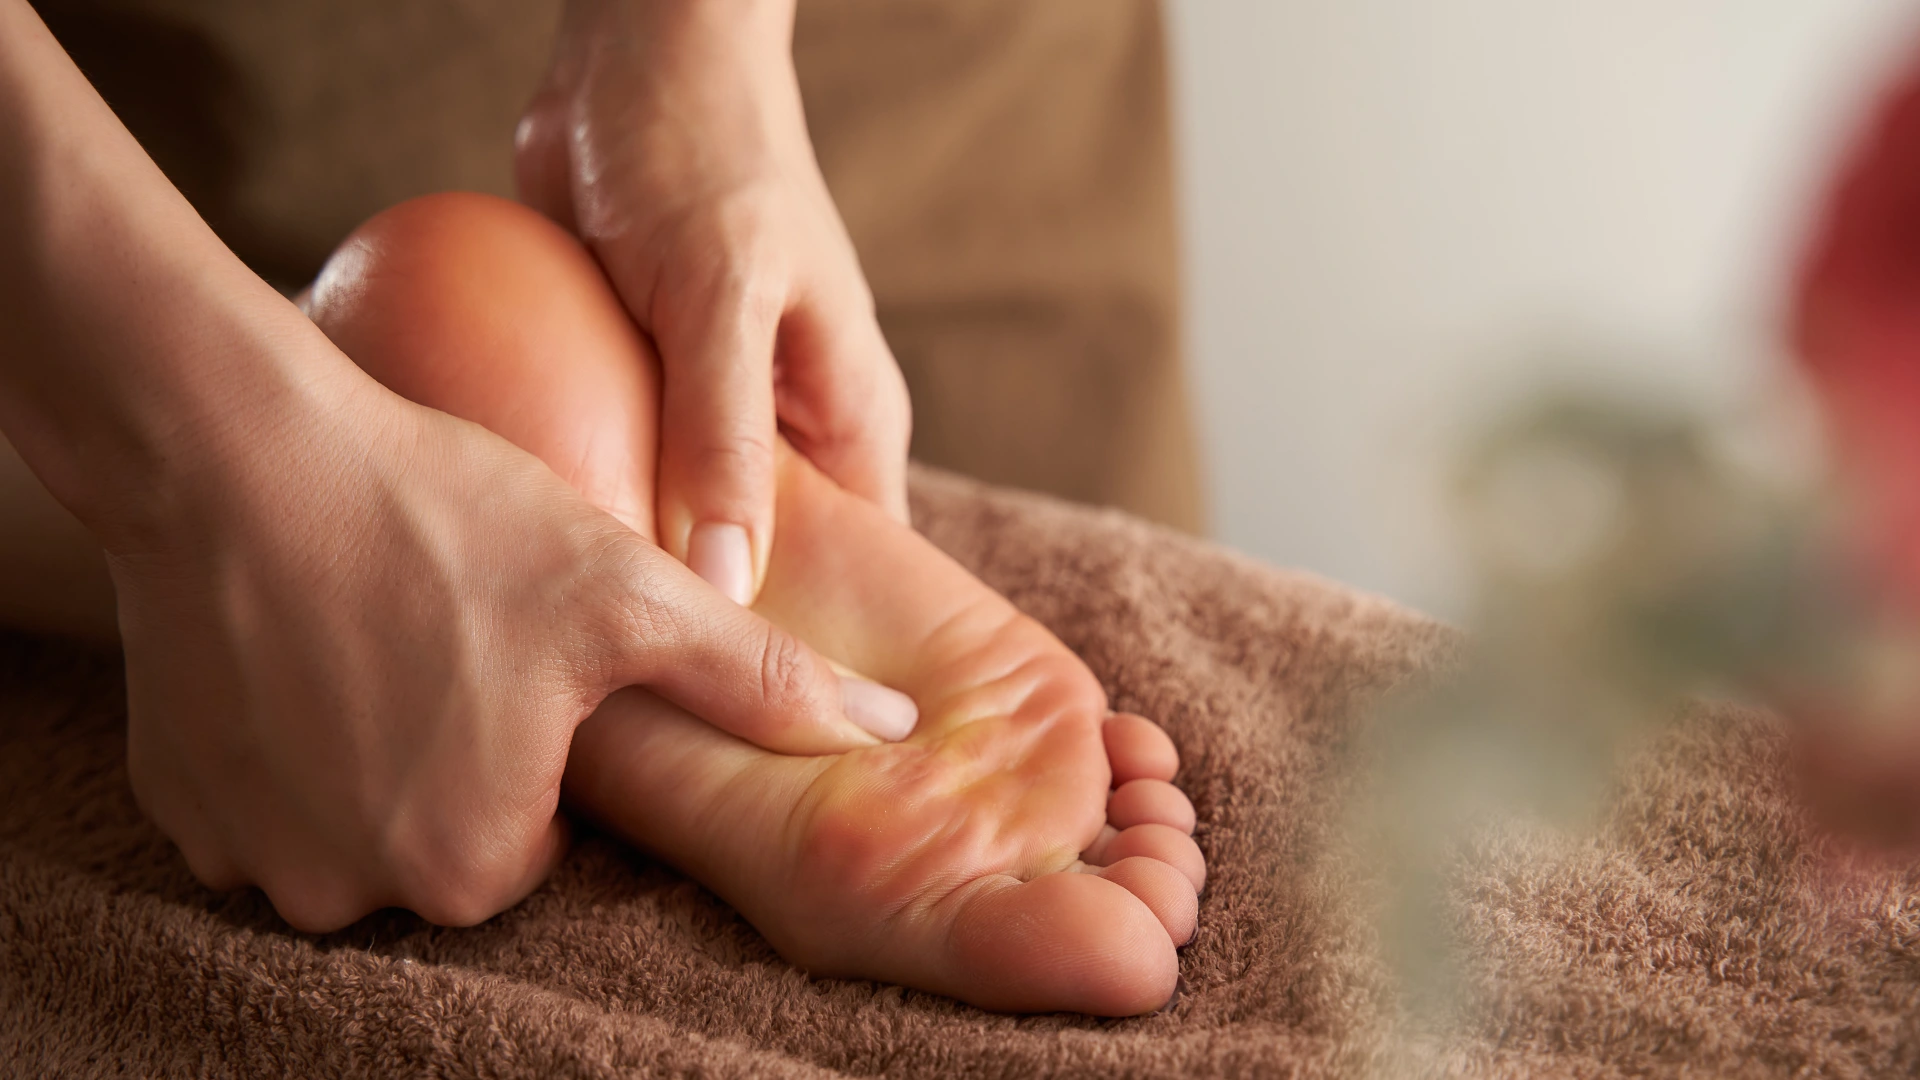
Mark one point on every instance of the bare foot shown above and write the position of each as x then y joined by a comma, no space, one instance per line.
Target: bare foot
1021,850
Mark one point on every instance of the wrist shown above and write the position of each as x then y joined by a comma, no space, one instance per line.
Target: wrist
762,28
692,58
144,356
669,104
135,349
142,465
259,419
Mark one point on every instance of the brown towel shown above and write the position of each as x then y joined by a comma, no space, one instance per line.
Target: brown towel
1702,933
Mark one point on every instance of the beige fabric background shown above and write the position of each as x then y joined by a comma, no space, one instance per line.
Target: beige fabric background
1004,167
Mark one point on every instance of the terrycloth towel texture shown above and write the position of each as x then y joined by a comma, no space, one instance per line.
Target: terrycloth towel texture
1702,933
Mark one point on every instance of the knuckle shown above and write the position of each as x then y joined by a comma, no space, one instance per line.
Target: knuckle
745,455
755,285
646,622
443,889
789,677
454,906
315,903
745,215
463,894
627,611
467,878
863,404
750,270
209,863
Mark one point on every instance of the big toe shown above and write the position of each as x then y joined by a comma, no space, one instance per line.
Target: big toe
1061,942
1164,889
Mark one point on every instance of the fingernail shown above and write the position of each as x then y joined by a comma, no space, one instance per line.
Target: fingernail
718,551
881,711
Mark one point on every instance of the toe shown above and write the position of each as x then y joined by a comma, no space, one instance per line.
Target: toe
1170,846
1062,942
1096,852
1165,891
1149,802
1138,750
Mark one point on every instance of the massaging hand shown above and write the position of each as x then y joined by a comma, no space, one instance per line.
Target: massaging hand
359,633
669,135
354,671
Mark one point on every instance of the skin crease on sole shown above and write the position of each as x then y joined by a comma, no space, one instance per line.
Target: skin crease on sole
1022,850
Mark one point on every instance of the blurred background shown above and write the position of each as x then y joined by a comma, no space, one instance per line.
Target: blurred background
1397,216
1245,267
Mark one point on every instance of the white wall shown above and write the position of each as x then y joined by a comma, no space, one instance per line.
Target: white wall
1392,207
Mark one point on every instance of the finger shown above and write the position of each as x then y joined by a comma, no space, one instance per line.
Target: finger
1170,846
542,165
316,897
1137,749
716,334
657,625
1165,891
1144,802
842,400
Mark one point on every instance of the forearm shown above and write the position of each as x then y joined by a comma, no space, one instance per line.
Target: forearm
134,347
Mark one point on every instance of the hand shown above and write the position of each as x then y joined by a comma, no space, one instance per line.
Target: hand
355,666
669,135
359,633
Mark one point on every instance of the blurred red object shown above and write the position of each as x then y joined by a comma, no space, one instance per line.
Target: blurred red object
1856,330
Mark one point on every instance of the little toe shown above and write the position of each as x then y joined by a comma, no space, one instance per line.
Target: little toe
1138,750
1149,802
1169,845
1062,942
1165,891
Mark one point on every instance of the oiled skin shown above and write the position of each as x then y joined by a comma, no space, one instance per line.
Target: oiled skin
961,860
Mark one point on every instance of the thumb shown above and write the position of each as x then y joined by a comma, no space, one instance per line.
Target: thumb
660,626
